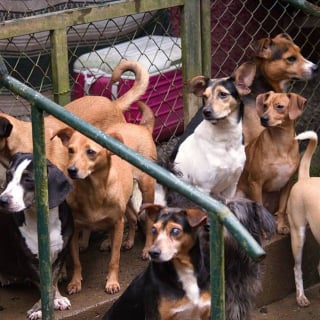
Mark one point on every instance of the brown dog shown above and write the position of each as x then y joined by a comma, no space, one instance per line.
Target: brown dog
278,61
16,135
273,157
303,208
103,186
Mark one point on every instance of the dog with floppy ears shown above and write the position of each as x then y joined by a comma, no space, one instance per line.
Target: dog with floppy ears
102,189
19,256
213,156
303,209
16,135
273,157
175,284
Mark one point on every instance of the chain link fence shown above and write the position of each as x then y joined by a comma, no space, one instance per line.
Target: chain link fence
153,38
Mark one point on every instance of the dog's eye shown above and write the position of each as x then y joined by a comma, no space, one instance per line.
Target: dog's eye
265,107
91,152
279,107
292,59
175,231
71,151
154,230
223,95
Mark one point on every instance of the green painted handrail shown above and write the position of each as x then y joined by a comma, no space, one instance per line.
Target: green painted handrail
217,211
306,7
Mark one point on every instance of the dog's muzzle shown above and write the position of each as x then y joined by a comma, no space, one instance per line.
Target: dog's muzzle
155,253
73,172
264,119
209,116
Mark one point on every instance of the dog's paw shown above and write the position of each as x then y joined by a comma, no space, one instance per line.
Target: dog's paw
283,229
61,303
127,244
303,301
145,253
74,287
112,287
105,245
34,315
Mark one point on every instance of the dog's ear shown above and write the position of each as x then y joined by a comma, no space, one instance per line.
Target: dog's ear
64,135
260,102
296,105
244,77
262,48
116,135
197,85
153,210
5,127
283,36
196,217
58,185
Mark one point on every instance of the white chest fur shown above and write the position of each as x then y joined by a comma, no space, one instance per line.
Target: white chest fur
29,232
212,158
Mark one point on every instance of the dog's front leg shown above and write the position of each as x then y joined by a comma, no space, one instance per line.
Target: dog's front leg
282,226
74,285
112,285
255,191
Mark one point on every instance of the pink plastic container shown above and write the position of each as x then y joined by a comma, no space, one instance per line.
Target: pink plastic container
164,93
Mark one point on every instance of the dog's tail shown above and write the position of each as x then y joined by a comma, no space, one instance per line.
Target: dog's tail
147,118
139,87
304,167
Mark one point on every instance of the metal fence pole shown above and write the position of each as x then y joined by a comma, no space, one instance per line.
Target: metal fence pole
41,196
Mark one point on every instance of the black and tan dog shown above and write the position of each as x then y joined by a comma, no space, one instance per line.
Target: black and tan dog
19,256
175,285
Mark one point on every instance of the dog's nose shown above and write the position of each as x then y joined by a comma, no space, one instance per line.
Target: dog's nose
73,171
264,120
207,112
315,68
154,253
4,201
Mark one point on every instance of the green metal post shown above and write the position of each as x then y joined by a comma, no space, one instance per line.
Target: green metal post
41,195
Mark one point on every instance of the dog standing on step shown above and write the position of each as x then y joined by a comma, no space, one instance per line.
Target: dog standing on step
19,256
16,135
102,189
303,209
213,156
273,157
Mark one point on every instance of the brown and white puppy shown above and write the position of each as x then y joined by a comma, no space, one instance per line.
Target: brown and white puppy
176,283
16,135
278,61
103,185
303,209
273,157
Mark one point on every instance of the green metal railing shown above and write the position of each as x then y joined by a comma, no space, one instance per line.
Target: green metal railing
219,214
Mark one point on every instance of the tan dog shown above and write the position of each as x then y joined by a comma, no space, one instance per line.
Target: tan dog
303,208
273,157
103,185
278,61
16,135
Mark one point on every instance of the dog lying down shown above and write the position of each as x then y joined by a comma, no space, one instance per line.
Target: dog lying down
19,256
175,285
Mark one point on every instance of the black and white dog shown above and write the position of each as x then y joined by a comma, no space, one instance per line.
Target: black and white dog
19,256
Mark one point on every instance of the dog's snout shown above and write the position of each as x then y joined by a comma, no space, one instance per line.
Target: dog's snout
264,119
207,112
154,253
73,171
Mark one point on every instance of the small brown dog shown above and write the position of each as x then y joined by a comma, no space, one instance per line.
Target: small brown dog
303,208
102,189
273,157
278,61
16,135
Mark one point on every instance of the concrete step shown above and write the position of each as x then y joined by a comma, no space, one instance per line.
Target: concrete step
92,301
